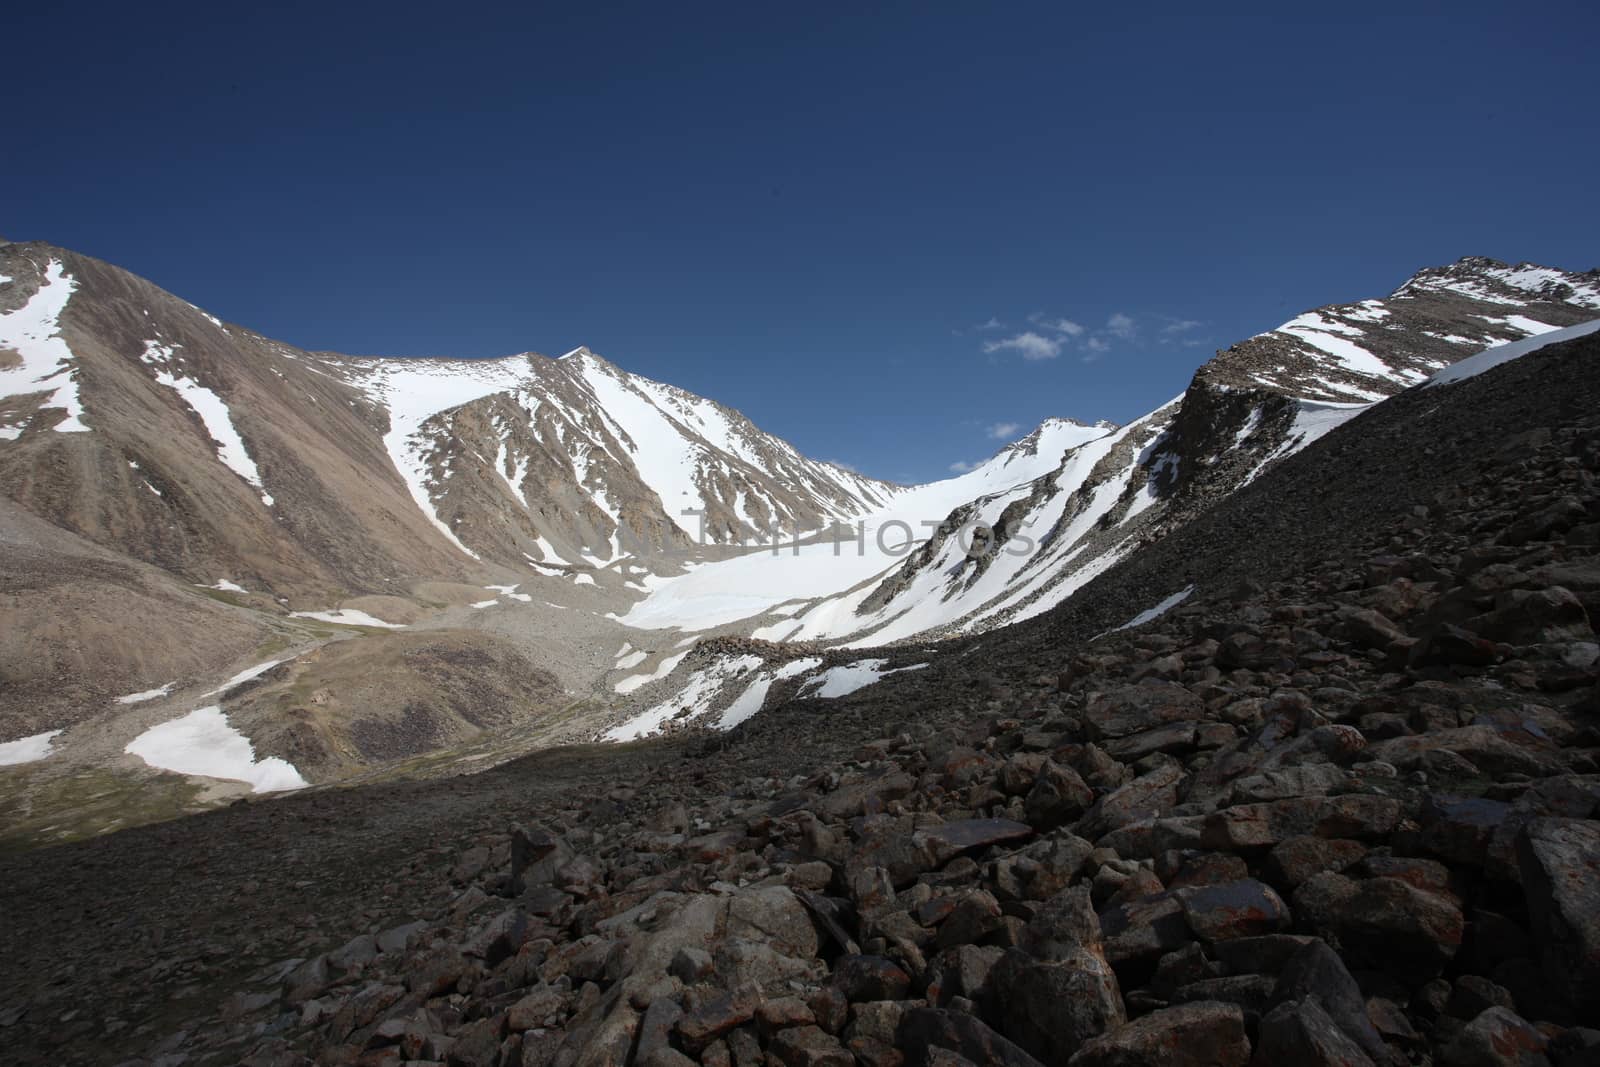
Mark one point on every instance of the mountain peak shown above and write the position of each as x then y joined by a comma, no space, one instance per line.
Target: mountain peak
1490,280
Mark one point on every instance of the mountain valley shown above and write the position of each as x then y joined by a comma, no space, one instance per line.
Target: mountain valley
528,711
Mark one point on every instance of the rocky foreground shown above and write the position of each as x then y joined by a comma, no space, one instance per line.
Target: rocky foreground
1340,815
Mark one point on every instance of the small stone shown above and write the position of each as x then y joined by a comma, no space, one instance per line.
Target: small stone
655,1028
1474,994
870,978
943,843
1060,991
1385,923
809,1046
1297,859
784,1012
690,965
1301,1033
1559,860
1201,1034
1316,971
1058,797
927,1032
1498,1037
722,1013
1246,908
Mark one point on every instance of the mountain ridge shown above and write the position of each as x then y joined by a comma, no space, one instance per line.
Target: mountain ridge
561,507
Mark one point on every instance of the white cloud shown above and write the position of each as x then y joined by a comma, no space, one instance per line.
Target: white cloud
1056,325
1004,431
992,324
1182,326
1120,325
961,468
1032,346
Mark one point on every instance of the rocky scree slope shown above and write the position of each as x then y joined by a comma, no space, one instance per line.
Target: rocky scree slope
1343,812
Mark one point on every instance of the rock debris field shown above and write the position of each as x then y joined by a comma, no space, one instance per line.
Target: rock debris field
1338,806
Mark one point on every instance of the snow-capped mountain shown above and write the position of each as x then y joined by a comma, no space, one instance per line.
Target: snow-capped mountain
523,512
140,422
529,459
1058,508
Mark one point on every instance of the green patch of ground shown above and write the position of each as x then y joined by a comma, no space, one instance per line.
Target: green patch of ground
273,645
39,807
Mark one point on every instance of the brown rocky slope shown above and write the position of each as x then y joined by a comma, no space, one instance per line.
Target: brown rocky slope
1339,806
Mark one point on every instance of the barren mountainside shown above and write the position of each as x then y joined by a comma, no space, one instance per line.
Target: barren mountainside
216,542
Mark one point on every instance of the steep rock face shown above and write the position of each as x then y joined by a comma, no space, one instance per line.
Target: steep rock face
1370,349
1272,394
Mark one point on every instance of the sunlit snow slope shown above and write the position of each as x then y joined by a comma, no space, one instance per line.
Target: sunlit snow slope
1077,499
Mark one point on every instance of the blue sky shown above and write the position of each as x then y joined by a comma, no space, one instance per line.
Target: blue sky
855,226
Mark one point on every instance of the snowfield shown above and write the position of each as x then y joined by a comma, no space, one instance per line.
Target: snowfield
697,695
416,390
352,617
1490,358
842,681
148,694
245,675
751,700
33,331
27,749
203,743
214,415
666,667
1151,614
844,568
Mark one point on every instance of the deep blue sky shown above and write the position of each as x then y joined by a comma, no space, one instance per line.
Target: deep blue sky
803,211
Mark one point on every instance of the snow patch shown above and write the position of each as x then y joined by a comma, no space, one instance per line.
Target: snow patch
148,694
695,697
1325,334
245,676
347,617
746,704
842,681
33,331
1159,610
664,668
26,749
755,695
214,415
203,743
1490,358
